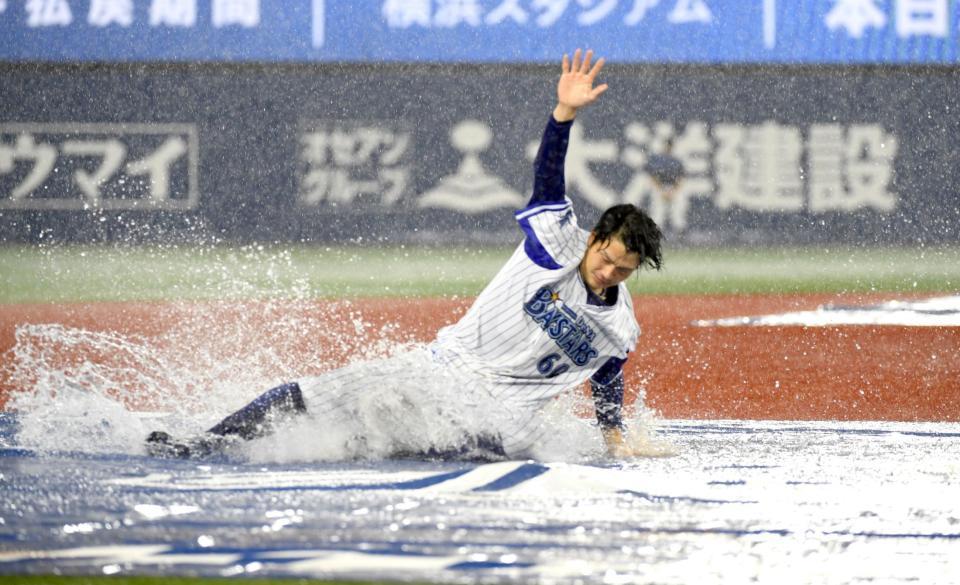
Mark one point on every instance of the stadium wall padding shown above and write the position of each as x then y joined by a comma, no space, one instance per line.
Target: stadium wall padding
442,153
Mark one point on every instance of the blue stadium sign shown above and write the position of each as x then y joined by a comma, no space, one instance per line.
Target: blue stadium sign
630,31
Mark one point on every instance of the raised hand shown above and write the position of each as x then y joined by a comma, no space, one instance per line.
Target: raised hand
575,88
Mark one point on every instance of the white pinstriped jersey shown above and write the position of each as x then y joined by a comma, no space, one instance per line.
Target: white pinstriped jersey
531,334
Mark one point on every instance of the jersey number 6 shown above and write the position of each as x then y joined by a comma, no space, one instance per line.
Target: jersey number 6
546,366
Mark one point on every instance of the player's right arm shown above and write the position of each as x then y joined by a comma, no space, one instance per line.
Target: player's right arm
552,236
574,90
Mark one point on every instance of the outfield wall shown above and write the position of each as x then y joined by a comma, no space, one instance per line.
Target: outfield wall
438,153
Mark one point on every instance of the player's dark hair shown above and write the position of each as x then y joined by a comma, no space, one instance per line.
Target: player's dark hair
638,232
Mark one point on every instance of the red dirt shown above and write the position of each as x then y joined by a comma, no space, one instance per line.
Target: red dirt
784,373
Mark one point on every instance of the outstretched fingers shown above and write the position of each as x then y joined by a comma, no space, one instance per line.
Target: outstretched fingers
575,88
596,69
597,91
581,63
576,61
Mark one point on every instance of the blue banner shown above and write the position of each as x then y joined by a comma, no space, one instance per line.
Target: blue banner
508,31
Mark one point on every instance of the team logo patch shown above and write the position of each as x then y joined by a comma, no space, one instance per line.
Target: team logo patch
570,331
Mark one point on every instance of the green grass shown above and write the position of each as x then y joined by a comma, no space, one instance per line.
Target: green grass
91,273
805,270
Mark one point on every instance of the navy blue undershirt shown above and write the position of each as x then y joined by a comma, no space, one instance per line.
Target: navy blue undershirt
549,186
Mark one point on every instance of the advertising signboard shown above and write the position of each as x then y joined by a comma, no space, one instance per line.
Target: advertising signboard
403,153
507,31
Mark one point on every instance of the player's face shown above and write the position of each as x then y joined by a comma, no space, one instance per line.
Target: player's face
607,264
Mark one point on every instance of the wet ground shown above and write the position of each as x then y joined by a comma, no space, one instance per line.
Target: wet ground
786,356
798,502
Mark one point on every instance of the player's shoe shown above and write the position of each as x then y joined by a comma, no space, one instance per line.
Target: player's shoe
162,445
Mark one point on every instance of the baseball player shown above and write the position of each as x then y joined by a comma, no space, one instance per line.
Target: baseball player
556,314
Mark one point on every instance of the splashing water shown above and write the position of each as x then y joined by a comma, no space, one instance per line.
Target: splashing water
101,391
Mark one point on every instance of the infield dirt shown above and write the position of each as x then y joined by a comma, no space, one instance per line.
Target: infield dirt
783,373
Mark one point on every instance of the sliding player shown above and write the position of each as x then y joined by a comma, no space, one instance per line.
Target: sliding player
555,315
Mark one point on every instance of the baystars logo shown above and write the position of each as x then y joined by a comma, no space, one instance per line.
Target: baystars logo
570,332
